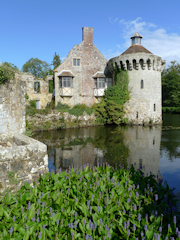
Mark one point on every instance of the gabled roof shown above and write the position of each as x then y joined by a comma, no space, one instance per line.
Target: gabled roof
136,49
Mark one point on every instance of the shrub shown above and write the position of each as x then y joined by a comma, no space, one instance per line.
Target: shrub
79,109
62,107
103,203
111,106
32,103
175,110
7,72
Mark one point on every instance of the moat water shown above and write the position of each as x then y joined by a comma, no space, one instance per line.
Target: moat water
155,149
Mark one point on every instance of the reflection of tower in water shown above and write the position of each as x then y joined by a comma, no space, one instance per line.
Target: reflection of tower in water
144,148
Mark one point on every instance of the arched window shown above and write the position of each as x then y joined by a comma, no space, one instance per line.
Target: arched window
141,62
154,107
142,84
127,64
134,64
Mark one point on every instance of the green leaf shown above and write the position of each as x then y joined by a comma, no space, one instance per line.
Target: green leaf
26,236
6,214
149,233
1,210
31,212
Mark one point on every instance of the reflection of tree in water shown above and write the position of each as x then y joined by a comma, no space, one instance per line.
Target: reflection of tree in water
110,140
170,141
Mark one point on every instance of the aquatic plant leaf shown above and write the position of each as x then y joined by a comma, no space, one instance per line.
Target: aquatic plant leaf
31,212
1,210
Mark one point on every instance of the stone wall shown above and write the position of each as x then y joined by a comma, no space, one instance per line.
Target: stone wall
21,159
12,105
43,97
59,120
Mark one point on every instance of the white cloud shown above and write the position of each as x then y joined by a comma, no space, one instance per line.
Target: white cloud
156,39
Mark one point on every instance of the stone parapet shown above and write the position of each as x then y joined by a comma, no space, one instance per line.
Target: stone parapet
21,159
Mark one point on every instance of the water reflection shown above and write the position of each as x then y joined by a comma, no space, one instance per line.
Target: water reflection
116,145
155,149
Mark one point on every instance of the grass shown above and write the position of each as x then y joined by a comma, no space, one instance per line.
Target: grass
98,203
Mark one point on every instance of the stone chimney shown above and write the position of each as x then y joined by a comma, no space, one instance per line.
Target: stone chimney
87,34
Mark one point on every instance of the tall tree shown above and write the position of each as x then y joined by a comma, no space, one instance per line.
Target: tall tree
171,85
56,60
37,67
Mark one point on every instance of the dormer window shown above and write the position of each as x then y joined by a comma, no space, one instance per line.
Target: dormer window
66,83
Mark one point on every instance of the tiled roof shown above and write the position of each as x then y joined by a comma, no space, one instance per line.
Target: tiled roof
65,74
136,49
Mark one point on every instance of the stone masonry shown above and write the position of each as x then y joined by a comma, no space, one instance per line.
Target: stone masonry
12,105
42,97
21,159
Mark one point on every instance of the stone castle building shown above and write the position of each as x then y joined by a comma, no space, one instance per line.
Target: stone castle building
83,75
144,71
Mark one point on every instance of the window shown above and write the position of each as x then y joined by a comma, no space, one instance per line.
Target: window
36,87
65,82
95,83
76,62
50,86
101,82
154,107
109,82
142,84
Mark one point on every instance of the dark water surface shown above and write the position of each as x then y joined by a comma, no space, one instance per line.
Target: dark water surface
154,149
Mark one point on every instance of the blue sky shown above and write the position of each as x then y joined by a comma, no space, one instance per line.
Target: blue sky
39,28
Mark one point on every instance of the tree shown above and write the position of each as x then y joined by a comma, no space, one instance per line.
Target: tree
37,67
171,85
56,60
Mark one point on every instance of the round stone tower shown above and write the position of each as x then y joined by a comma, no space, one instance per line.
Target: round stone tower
144,71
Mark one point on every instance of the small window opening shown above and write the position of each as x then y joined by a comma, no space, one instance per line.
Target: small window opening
142,84
154,107
153,140
137,115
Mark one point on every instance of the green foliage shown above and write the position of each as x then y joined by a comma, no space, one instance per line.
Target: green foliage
7,71
175,110
62,107
47,125
32,103
37,67
171,85
56,60
79,109
111,107
103,203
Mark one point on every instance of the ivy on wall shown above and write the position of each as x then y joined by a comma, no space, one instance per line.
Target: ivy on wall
110,109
